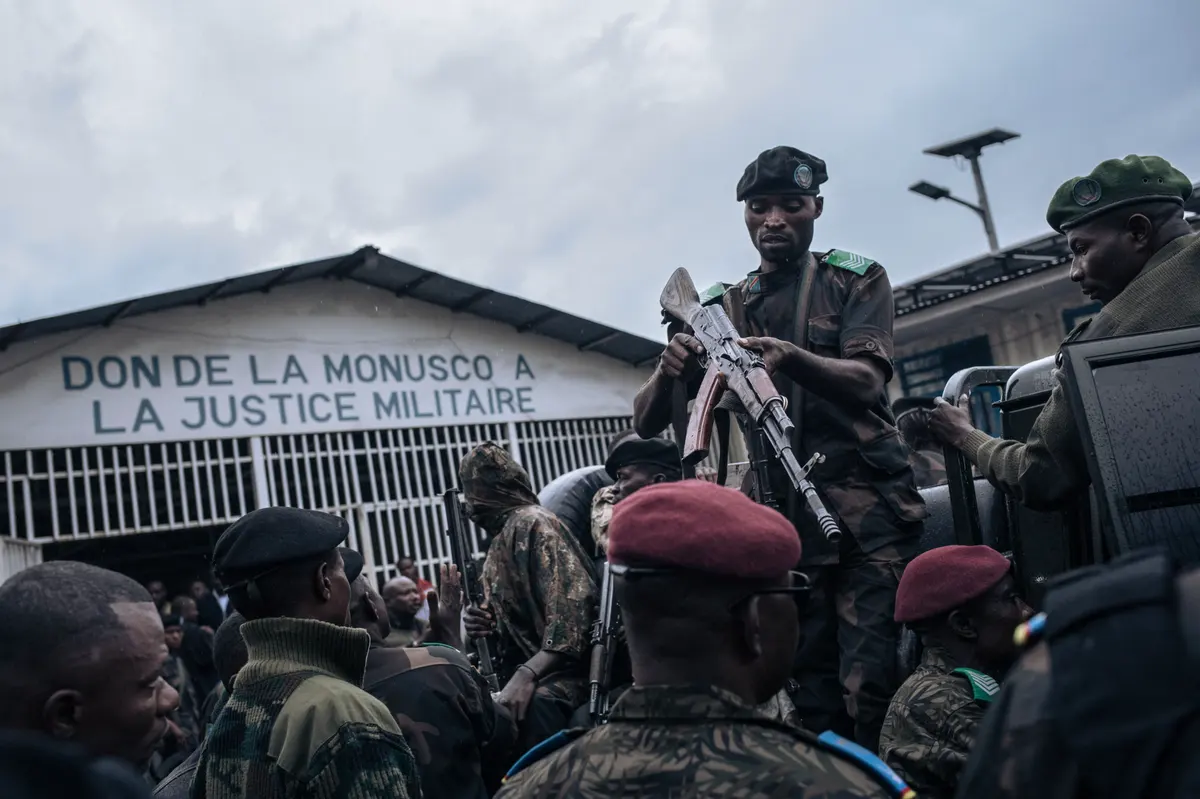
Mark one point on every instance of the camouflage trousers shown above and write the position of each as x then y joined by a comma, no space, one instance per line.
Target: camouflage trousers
846,668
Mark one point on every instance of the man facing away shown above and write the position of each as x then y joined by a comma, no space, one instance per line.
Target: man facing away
962,601
82,660
710,613
1133,252
460,737
297,723
823,324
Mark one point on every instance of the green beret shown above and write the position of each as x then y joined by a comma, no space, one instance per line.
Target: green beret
782,170
269,537
657,452
1117,182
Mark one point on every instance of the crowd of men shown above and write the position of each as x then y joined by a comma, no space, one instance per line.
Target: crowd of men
756,659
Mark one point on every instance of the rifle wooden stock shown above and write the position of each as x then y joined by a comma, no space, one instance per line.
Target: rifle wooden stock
679,297
699,430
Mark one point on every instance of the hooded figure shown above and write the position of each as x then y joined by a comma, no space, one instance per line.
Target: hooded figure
540,588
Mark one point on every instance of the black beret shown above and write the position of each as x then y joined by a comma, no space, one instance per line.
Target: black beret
352,563
649,451
783,170
269,537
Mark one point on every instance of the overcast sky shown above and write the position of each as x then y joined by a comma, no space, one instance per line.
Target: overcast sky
572,153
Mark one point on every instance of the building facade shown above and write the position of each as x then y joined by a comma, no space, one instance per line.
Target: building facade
136,433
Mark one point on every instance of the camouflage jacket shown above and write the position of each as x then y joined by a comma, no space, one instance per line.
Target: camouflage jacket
931,723
1050,467
460,737
298,724
602,510
693,741
537,578
866,478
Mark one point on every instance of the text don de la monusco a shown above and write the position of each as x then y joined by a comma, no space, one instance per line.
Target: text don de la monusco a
223,393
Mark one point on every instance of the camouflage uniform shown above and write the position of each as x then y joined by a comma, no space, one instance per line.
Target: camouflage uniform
930,726
537,579
460,737
297,724
929,467
847,661
602,509
692,741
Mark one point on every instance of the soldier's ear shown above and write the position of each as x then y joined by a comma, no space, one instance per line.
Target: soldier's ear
819,205
962,625
61,714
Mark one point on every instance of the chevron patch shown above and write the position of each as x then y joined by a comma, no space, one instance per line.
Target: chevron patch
852,262
985,687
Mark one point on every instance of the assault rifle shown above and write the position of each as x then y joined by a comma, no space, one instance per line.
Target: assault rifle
605,631
457,531
731,367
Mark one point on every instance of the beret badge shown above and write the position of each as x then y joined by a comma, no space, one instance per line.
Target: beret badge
1086,192
803,176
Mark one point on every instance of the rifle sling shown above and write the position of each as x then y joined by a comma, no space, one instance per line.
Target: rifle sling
804,292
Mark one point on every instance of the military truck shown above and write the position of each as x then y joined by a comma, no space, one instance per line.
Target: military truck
1136,403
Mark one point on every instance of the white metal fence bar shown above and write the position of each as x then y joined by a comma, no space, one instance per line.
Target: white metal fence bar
93,492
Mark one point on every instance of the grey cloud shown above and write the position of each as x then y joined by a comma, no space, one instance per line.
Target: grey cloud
571,153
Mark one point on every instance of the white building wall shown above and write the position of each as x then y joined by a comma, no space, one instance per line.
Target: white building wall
110,431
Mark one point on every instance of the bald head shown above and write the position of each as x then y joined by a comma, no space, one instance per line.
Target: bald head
402,597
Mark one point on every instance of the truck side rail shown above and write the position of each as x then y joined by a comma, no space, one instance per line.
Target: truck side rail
967,527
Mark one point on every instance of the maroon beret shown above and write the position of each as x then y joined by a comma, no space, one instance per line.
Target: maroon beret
945,578
700,526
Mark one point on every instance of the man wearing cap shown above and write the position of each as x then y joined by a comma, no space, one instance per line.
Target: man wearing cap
632,464
962,602
709,602
823,324
540,590
297,722
1134,253
927,457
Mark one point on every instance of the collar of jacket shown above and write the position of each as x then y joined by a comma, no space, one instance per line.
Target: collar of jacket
283,646
935,657
681,703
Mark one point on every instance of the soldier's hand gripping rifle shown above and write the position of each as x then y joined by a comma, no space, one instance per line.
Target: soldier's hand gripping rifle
457,531
731,367
604,646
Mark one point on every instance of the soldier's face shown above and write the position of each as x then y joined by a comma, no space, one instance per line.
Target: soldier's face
781,226
174,637
1107,254
996,618
633,478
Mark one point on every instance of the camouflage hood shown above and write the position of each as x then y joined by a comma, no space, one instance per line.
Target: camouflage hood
493,486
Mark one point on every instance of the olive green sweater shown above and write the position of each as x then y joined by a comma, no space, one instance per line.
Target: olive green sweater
298,723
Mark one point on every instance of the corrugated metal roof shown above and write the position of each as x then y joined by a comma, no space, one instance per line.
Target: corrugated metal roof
370,267
983,272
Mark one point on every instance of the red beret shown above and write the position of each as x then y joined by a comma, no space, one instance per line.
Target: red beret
945,578
700,526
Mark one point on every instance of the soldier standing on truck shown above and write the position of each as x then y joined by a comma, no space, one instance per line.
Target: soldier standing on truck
1134,252
823,323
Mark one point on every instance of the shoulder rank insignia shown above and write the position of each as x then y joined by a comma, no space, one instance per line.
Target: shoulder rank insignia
985,687
549,746
713,294
849,261
869,762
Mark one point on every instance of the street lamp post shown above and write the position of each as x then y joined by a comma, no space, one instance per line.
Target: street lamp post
969,148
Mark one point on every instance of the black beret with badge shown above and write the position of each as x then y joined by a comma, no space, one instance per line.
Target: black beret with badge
1116,183
783,170
352,563
657,452
268,538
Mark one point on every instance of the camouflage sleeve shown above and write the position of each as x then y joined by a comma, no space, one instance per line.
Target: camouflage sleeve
867,319
602,508
1047,469
928,738
565,588
358,762
494,727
